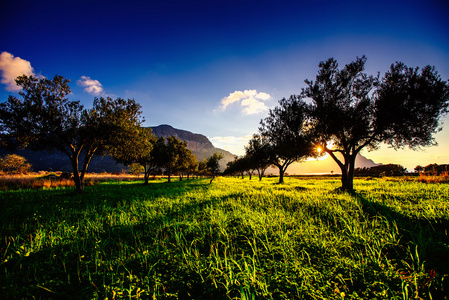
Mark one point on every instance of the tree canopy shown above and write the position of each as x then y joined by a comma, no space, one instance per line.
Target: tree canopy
137,148
45,119
284,134
350,110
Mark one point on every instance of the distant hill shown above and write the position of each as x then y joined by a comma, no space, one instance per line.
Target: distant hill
197,143
56,161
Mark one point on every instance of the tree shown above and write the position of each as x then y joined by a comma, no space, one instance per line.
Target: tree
351,110
239,165
285,136
213,165
136,148
202,167
258,153
186,160
170,154
14,164
45,119
191,164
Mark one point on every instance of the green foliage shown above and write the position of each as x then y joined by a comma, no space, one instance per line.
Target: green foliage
136,169
212,164
284,134
354,110
231,240
14,164
45,119
135,147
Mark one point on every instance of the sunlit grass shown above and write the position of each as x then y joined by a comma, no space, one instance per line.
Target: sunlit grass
234,238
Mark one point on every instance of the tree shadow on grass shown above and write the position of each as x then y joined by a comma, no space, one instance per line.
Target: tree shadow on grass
104,262
430,236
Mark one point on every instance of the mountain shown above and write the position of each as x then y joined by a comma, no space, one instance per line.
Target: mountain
56,161
197,143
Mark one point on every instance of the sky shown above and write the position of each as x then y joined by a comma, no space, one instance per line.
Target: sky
216,67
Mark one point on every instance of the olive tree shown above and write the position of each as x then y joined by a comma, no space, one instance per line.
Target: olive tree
351,110
137,148
285,136
45,119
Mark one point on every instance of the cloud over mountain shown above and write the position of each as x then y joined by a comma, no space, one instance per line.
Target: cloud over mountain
11,68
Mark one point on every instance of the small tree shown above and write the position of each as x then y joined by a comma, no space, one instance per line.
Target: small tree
170,154
354,110
14,164
136,148
285,136
213,165
186,159
258,153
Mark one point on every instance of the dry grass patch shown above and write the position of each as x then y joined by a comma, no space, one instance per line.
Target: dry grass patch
42,180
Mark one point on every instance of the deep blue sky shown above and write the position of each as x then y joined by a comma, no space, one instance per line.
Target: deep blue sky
180,59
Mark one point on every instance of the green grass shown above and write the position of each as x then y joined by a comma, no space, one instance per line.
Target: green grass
232,239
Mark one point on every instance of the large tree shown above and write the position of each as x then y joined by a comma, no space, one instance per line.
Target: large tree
45,119
351,110
285,134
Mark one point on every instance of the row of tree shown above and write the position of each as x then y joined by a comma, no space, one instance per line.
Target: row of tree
343,111
140,146
381,170
346,110
45,119
433,169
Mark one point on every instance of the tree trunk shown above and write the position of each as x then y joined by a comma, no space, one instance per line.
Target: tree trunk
79,184
347,173
87,159
146,174
281,174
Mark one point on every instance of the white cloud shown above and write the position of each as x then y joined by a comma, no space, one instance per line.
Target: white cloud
11,68
251,101
91,86
233,144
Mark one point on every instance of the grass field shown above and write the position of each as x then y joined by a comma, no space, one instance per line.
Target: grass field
232,239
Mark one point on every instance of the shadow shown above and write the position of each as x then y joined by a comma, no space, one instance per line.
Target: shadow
76,269
430,236
36,206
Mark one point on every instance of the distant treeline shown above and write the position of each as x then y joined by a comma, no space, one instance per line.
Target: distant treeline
398,170
381,170
433,169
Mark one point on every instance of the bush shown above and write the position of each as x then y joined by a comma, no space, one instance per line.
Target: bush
14,164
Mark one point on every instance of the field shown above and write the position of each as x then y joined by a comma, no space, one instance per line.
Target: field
232,239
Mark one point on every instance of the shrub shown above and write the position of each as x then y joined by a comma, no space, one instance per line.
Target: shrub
14,164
